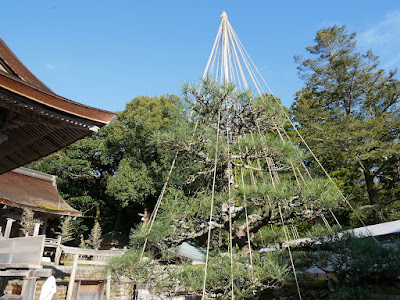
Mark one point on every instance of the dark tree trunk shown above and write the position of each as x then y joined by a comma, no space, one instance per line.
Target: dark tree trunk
370,184
118,220
97,216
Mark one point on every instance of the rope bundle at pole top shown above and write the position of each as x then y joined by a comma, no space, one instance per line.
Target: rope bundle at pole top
229,63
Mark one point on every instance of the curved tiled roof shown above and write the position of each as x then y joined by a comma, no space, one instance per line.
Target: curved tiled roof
34,121
26,188
15,77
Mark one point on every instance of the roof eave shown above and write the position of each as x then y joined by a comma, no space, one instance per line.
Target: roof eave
72,213
24,89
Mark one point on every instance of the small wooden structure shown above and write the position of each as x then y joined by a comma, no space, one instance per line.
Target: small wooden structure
37,191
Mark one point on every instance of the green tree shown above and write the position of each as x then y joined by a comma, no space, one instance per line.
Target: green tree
82,172
27,222
66,230
114,174
348,113
141,167
95,239
228,152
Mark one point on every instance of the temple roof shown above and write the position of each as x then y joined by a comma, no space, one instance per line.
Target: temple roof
34,121
26,188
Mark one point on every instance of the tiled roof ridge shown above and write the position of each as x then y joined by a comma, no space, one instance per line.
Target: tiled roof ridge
35,174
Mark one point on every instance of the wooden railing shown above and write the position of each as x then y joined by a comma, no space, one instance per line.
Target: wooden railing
92,257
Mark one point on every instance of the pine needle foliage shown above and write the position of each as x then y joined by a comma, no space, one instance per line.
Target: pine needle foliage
257,169
269,272
95,239
28,221
67,230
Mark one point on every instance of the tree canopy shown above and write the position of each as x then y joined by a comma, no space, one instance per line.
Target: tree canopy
348,112
116,174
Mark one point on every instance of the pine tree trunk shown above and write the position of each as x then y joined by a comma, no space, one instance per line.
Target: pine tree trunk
118,220
370,184
97,216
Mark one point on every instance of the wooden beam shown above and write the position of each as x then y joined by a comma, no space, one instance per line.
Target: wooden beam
91,262
108,287
26,273
28,289
72,277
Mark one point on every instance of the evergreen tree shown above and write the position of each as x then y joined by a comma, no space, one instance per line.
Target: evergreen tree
231,152
114,175
67,230
27,222
348,113
95,239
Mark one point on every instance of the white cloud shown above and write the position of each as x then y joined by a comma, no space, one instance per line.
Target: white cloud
50,67
384,39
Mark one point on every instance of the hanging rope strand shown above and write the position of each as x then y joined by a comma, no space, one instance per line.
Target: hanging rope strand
154,213
290,252
212,206
229,175
247,219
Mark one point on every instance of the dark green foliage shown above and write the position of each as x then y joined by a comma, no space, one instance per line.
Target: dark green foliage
254,171
269,272
130,265
360,260
118,172
348,113
140,172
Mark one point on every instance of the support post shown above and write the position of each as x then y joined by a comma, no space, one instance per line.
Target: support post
44,227
108,286
7,232
72,277
28,289
58,252
36,229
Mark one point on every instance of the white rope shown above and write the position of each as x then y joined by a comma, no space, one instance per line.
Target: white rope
290,252
154,213
247,219
212,207
229,191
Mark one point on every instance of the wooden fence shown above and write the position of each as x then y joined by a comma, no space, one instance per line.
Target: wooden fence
82,256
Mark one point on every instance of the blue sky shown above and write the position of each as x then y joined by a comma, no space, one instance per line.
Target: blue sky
104,53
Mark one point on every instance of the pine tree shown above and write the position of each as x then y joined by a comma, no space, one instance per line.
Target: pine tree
348,112
95,239
27,222
67,230
232,152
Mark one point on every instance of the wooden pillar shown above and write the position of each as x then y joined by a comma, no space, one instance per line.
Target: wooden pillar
108,286
72,277
28,289
36,229
44,227
7,232
58,252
